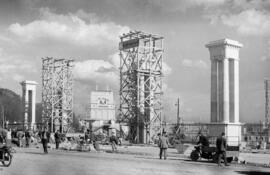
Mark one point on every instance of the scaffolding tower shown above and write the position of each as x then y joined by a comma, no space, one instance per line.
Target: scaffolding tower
141,84
267,102
57,94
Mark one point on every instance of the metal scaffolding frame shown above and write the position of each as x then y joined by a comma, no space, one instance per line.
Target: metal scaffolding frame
267,102
57,93
141,57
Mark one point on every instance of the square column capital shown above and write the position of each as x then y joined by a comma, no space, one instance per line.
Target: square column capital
29,85
224,49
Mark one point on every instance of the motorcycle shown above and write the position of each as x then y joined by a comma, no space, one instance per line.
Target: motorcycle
206,152
6,154
203,152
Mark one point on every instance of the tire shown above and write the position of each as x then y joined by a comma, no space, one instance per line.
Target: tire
194,155
7,159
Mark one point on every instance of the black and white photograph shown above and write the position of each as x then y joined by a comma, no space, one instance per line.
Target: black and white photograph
134,87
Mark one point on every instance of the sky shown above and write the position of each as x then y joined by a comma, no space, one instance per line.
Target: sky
88,32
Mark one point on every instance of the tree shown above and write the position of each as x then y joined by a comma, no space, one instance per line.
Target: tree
12,105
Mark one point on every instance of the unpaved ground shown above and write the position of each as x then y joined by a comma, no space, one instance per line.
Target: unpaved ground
34,162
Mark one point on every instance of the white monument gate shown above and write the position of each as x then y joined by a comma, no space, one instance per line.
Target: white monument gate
29,103
224,56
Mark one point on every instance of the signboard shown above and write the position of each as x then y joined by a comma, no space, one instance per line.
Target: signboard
129,44
102,105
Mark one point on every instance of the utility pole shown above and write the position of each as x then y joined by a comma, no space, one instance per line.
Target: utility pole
178,111
267,102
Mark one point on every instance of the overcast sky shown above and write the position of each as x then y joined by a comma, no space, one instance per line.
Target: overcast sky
88,32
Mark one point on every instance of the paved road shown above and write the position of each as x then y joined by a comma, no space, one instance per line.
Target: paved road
33,162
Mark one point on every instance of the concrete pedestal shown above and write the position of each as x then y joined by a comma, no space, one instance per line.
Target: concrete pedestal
231,130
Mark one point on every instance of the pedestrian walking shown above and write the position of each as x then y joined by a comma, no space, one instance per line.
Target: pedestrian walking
27,137
57,139
221,149
45,138
113,141
9,137
163,144
20,135
87,136
3,135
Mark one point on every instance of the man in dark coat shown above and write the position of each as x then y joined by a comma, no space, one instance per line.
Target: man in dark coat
163,145
27,136
57,139
87,136
221,149
45,138
114,141
202,140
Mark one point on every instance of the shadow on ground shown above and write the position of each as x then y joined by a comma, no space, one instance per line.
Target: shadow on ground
200,161
40,153
253,172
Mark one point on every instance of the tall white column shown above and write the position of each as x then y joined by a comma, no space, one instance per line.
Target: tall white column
33,119
214,91
26,106
236,91
226,95
220,117
29,86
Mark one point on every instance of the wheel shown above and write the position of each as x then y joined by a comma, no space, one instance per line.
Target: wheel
7,159
229,159
194,155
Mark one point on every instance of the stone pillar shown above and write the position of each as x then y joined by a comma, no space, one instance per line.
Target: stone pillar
29,103
225,107
220,106
214,91
236,91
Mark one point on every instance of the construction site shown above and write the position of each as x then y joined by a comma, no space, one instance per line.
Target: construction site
140,114
138,121
141,84
57,94
134,87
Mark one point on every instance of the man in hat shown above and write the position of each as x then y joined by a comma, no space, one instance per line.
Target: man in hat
221,149
163,145
45,138
57,139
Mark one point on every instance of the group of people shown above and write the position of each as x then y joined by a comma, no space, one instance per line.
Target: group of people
163,141
16,136
221,145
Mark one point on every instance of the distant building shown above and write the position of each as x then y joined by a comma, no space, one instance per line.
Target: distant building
254,133
102,109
